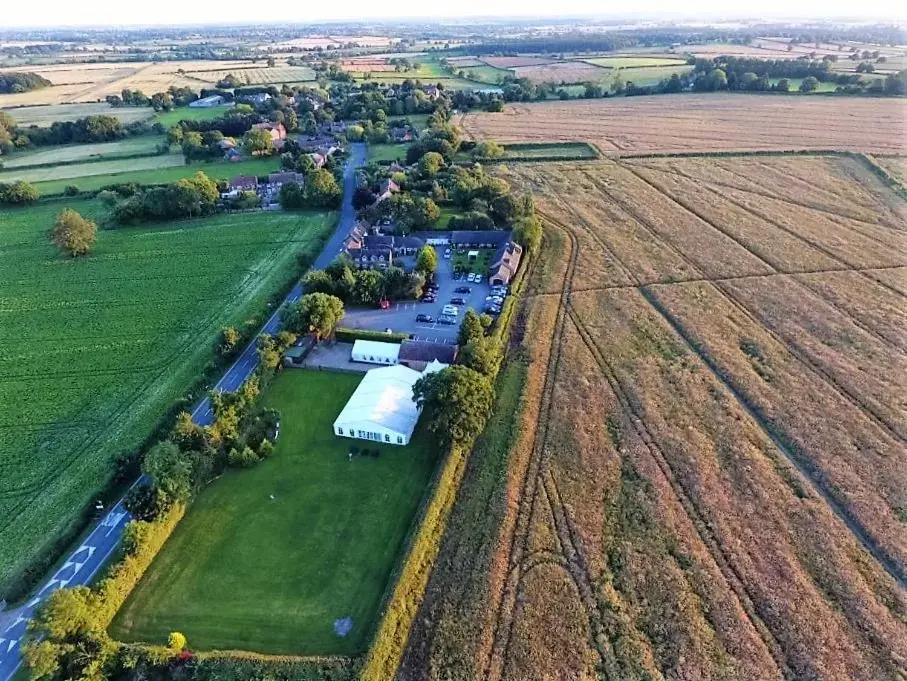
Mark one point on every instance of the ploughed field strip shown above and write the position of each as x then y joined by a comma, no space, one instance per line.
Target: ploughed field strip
716,486
95,349
631,126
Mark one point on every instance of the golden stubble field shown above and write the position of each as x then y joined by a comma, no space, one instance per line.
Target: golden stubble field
626,126
711,476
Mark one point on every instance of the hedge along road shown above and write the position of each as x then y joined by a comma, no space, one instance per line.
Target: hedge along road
88,558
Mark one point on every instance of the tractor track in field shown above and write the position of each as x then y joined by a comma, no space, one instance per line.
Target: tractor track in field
539,480
706,535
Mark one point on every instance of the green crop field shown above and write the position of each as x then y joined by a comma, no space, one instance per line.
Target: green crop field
45,115
387,152
159,175
83,152
429,73
188,113
94,350
643,76
549,151
630,62
243,571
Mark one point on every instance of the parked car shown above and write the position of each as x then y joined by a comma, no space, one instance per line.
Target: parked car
450,310
428,299
458,301
463,289
447,321
425,318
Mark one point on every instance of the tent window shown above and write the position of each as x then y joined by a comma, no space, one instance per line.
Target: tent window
340,431
387,438
399,440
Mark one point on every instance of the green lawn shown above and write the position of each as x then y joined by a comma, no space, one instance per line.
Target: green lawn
83,152
418,121
243,571
158,175
46,115
96,349
482,265
387,152
188,113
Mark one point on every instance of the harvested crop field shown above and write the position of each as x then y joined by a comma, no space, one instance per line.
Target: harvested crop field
702,123
562,72
512,62
44,116
707,477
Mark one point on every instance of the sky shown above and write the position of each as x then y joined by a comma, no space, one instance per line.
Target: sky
170,12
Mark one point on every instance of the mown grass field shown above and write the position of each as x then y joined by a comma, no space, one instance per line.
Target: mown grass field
50,175
124,171
387,152
96,349
709,475
246,572
188,113
82,152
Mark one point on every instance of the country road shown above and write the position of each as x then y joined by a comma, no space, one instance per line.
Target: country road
85,561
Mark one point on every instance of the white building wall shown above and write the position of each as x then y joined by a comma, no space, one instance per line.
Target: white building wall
370,432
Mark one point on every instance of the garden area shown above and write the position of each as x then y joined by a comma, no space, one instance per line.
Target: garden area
461,262
281,557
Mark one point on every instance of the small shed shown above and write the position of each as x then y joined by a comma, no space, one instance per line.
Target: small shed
472,256
375,352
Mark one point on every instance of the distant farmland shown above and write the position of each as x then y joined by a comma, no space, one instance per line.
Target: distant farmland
708,476
702,123
96,349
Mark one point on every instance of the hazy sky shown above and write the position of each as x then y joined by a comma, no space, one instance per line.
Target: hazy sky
130,12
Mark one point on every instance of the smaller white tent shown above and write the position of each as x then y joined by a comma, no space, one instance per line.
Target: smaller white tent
375,352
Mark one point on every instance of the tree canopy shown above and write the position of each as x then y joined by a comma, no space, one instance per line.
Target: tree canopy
315,313
456,402
72,233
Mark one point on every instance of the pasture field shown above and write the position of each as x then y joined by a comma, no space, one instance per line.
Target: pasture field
96,349
244,572
124,171
82,152
512,62
44,116
697,123
634,62
92,168
387,152
707,475
188,113
429,72
484,73
555,151
649,75
562,72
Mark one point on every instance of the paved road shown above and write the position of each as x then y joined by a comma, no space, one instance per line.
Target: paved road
92,553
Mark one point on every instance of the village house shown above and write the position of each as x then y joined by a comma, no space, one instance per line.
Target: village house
244,183
386,189
278,132
418,354
370,251
278,180
401,134
431,91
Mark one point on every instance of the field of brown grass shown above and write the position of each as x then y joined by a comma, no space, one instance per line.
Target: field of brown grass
629,126
708,476
562,72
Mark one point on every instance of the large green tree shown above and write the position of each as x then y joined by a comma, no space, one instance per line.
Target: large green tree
456,402
528,233
315,313
258,142
170,471
322,190
72,233
427,260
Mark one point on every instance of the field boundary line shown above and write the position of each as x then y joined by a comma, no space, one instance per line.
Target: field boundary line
852,524
713,545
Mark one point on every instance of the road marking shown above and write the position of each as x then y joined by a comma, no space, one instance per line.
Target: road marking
12,644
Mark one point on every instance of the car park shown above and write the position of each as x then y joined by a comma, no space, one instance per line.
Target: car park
425,318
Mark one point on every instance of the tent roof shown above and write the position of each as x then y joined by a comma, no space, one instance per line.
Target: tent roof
377,348
385,398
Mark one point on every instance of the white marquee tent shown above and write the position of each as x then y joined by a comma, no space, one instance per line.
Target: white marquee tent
375,352
382,409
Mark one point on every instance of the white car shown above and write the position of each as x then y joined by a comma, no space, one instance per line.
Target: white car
450,310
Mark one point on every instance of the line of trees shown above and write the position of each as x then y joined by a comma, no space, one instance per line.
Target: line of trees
189,197
343,280
12,82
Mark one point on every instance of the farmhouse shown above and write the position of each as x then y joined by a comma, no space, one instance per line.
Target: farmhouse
382,407
375,352
387,188
244,183
378,250
419,354
505,264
